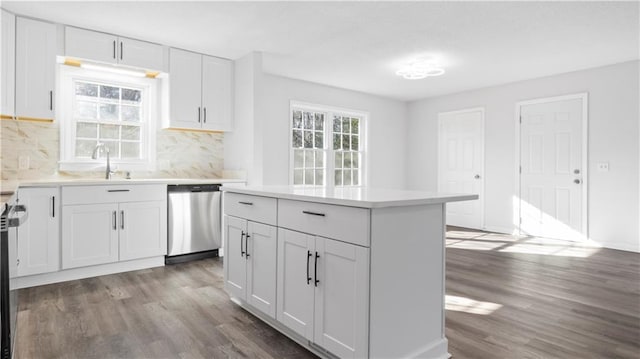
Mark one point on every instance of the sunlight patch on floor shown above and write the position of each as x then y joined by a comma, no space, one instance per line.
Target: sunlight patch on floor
505,243
471,306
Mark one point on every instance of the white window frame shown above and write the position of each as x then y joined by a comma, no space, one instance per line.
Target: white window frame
329,160
67,75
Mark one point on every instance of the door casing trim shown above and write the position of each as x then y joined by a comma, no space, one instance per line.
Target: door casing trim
482,149
584,96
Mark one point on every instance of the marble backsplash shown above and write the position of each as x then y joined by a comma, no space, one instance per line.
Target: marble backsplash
180,154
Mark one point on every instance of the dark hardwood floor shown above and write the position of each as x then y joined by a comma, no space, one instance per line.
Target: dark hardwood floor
176,311
507,297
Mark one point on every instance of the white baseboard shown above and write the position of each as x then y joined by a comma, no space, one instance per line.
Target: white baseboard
86,272
499,229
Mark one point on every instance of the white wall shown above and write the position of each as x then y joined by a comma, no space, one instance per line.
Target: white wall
238,144
386,128
613,137
260,141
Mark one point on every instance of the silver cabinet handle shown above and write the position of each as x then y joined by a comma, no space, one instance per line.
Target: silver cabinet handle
246,203
199,114
51,100
117,190
205,114
121,219
114,49
115,221
121,50
53,206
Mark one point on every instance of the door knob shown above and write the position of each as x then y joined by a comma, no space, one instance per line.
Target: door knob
576,181
476,176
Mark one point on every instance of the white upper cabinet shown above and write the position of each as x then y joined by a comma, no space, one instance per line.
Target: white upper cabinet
185,84
111,49
92,45
35,68
8,64
216,93
200,92
142,54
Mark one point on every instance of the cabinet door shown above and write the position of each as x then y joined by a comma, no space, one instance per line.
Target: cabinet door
295,281
261,267
91,45
235,230
141,54
35,68
8,64
39,237
185,89
341,298
217,87
89,235
143,229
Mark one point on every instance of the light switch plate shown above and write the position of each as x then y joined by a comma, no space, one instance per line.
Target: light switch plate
603,167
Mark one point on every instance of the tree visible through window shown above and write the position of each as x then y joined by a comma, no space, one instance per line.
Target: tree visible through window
111,115
326,147
101,106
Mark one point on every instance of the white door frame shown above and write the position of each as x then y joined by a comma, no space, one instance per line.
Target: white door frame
584,96
482,144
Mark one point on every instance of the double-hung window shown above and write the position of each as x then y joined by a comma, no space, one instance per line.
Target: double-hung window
115,110
327,146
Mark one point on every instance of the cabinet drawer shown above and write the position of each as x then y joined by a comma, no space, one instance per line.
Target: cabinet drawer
113,193
254,208
347,224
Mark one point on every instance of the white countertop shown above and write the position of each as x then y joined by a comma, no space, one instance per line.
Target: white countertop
355,196
121,181
9,187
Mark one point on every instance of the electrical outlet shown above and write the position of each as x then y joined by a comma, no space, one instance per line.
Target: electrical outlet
23,162
603,167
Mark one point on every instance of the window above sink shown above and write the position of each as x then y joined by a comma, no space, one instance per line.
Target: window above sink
118,110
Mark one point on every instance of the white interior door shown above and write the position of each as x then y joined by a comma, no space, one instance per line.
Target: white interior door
461,164
552,166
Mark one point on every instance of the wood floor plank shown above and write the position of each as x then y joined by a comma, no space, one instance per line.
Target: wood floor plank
515,297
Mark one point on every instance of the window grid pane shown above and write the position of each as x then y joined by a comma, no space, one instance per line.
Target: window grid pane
346,145
109,114
312,146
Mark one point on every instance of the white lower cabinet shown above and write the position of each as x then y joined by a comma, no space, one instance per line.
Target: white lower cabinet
90,235
38,248
143,228
130,224
250,256
323,292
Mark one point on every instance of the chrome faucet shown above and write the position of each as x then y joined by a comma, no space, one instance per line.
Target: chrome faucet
101,147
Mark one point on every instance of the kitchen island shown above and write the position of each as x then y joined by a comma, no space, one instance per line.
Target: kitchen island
349,273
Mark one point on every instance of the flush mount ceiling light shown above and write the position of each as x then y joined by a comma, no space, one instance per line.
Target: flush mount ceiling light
420,69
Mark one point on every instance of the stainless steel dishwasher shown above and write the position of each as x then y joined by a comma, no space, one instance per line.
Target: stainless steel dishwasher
194,222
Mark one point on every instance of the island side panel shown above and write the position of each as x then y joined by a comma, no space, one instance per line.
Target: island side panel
407,282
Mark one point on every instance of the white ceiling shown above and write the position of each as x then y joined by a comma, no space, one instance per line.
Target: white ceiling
359,45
